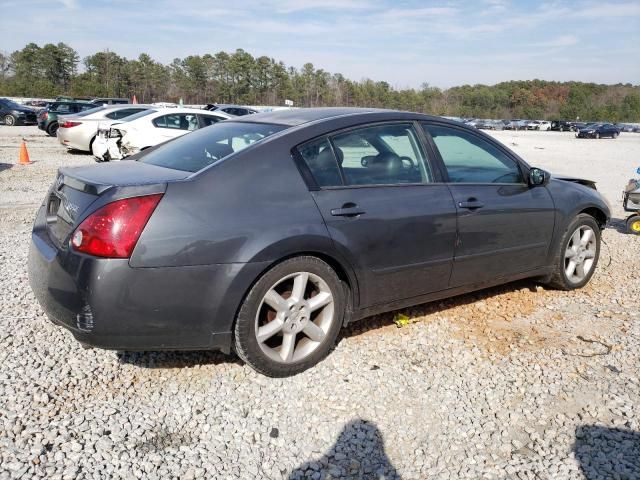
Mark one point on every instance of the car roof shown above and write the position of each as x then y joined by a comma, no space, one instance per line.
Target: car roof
171,111
232,105
123,106
299,116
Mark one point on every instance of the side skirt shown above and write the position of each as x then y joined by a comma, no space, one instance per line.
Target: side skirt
450,292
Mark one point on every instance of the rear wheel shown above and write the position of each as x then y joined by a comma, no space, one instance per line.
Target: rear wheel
9,120
615,135
577,257
290,319
52,129
633,224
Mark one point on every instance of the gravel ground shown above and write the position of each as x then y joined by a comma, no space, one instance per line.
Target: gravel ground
511,382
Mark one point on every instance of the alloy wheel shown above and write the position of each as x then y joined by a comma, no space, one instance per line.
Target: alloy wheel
294,317
580,254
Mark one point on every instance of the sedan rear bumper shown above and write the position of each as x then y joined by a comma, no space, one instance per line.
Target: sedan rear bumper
70,139
108,304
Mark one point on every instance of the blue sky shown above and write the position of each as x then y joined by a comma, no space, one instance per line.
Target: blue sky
405,43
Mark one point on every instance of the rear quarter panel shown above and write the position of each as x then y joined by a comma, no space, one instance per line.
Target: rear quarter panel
252,207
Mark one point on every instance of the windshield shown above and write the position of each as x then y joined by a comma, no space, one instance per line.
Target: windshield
207,146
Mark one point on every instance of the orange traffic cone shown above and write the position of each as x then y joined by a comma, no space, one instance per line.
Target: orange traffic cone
24,154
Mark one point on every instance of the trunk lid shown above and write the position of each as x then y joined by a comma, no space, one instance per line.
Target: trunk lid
77,189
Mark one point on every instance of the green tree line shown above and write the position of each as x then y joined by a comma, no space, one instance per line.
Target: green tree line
239,77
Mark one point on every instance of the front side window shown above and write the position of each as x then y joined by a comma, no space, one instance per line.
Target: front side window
207,146
471,159
381,155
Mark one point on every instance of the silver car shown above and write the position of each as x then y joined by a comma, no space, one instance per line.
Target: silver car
79,131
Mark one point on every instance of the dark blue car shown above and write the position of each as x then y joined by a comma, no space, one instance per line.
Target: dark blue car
268,233
12,113
598,130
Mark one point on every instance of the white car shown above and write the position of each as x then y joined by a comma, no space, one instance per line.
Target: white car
148,129
79,131
544,125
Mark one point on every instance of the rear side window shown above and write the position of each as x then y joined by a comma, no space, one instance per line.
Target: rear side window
387,154
63,108
471,159
207,146
319,158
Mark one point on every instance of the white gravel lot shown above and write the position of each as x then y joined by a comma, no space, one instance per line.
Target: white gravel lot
511,382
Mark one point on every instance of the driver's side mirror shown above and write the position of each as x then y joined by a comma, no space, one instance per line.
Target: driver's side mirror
538,177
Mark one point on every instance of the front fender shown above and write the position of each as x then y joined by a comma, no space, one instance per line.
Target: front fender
571,199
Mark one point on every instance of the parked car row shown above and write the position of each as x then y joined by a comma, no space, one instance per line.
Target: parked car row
515,124
582,129
88,125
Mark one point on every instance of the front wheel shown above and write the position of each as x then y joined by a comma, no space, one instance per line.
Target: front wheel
578,254
9,120
597,135
291,317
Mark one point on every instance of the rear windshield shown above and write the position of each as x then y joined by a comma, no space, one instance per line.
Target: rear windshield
11,103
84,113
207,146
141,114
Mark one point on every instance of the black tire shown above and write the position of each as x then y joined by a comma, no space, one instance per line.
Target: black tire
615,135
633,224
9,120
246,343
558,278
52,129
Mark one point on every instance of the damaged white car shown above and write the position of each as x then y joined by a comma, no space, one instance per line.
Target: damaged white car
149,128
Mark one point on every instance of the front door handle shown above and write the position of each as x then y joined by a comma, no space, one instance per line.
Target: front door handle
347,210
471,204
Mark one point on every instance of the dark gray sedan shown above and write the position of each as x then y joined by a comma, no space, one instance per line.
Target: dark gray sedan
268,233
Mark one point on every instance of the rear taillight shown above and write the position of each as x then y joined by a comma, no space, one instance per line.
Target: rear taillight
113,230
69,124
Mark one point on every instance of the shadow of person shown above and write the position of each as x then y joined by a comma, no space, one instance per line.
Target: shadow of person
607,452
358,453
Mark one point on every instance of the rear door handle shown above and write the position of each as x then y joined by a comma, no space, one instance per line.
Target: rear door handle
347,210
471,204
